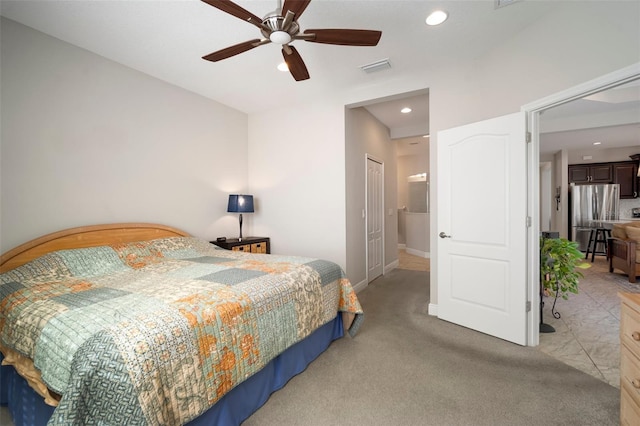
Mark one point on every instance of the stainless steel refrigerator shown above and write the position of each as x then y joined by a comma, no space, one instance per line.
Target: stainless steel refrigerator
591,204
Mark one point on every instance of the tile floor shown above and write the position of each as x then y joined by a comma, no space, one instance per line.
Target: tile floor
587,333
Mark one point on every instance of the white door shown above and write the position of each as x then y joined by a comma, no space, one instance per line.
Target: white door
374,219
482,225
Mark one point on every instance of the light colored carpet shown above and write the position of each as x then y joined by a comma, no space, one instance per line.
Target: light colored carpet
407,368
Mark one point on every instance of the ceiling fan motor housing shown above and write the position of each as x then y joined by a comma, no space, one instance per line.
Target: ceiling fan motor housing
274,23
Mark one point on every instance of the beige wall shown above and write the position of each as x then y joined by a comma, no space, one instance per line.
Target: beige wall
85,140
296,167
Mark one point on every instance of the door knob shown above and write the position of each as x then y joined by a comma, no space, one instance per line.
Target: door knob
443,235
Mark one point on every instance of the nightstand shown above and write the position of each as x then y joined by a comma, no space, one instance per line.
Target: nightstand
248,244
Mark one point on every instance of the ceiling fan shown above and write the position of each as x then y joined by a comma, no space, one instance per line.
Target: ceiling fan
281,27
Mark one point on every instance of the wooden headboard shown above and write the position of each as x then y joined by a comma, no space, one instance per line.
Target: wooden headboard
85,236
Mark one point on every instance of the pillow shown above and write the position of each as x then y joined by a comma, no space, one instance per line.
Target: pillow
619,231
634,234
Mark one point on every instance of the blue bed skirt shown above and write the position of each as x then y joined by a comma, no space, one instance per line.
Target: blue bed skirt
28,408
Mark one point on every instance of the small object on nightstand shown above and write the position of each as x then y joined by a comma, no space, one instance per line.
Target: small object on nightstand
247,244
221,239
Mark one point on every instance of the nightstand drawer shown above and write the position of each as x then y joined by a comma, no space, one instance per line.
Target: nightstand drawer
246,247
259,247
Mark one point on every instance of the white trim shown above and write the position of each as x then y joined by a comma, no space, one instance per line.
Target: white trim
604,82
419,253
393,265
360,286
401,246
533,111
433,309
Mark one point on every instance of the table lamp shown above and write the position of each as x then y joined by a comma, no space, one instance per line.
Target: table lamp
239,203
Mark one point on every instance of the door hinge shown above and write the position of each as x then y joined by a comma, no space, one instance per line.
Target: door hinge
528,137
528,221
528,306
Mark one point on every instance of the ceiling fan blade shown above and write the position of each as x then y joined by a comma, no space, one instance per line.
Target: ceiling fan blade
234,50
233,9
343,37
296,6
294,61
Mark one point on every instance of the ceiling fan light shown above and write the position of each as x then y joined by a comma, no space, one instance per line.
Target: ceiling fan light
280,37
282,66
437,17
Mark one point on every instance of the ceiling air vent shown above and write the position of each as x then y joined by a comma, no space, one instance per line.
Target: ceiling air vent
503,3
380,65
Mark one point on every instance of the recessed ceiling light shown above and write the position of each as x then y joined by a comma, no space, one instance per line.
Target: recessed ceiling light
425,136
282,66
405,110
437,17
597,143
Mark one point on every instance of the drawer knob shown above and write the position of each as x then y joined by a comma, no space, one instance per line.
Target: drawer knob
636,335
636,383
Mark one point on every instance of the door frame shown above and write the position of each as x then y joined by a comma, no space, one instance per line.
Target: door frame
532,112
365,212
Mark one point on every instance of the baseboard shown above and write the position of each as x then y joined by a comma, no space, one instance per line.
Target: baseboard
433,309
402,246
393,265
360,286
419,253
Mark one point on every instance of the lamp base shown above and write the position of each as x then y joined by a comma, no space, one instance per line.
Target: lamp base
240,238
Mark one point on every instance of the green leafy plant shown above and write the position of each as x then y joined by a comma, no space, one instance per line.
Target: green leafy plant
560,261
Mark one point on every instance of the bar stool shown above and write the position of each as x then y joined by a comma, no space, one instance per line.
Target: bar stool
597,235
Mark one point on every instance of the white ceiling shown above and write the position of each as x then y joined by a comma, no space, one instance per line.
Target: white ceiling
166,39
610,118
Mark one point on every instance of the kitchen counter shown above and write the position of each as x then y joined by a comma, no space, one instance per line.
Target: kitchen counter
609,223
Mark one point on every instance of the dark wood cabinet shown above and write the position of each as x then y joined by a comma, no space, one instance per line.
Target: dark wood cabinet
626,174
591,173
248,244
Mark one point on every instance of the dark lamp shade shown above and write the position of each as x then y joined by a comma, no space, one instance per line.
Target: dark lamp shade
239,203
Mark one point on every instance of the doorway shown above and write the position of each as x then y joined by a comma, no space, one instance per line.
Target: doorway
371,128
534,113
530,203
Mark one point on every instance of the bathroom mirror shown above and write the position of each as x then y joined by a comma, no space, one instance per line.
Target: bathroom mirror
418,193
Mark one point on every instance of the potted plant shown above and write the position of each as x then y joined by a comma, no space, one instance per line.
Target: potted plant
560,264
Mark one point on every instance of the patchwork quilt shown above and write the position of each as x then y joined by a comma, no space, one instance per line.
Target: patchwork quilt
156,332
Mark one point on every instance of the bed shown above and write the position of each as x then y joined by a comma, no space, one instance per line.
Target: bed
144,324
